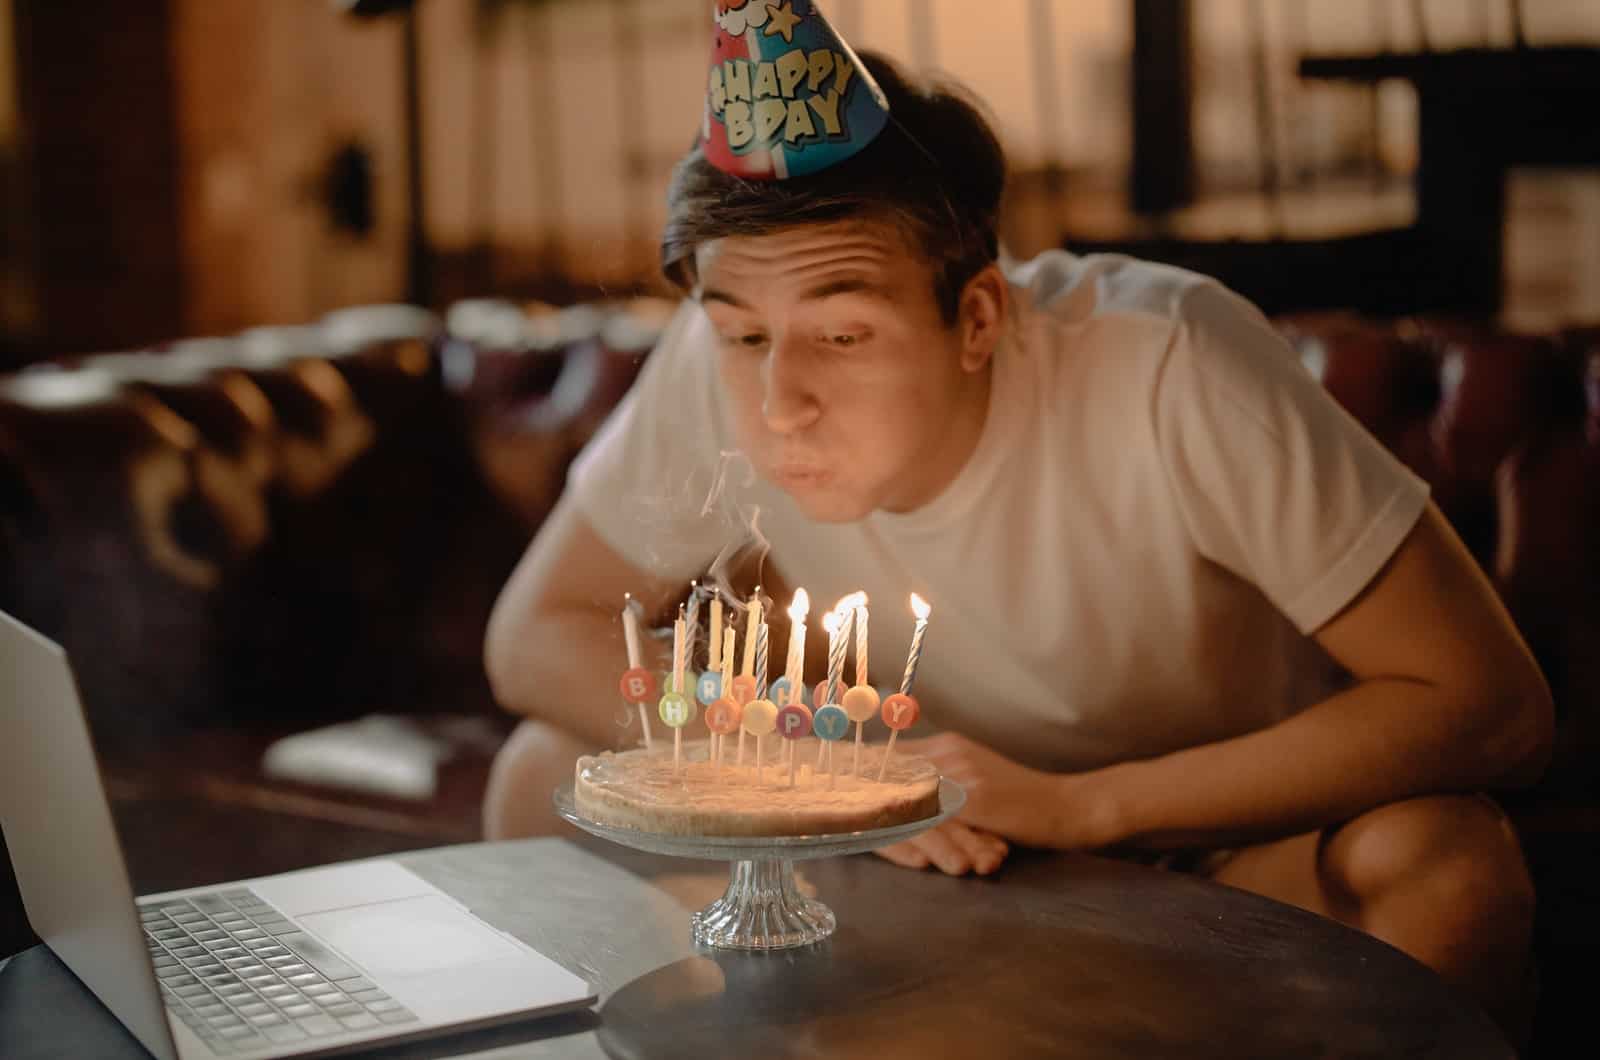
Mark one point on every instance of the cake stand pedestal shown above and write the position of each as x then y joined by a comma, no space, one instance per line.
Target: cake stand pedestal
762,908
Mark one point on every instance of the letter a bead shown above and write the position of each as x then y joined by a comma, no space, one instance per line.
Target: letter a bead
722,717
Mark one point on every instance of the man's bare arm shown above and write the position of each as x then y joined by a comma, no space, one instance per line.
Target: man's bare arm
554,648
1447,699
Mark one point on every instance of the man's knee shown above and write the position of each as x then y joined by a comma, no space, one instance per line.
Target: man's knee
535,760
1461,849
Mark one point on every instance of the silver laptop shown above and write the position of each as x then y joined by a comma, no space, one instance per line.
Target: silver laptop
308,962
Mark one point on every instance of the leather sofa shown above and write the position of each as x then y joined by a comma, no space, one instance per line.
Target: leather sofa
241,538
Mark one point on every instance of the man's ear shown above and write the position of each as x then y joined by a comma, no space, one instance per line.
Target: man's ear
982,315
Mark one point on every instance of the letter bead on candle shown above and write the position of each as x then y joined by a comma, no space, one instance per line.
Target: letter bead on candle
900,712
744,688
708,689
638,686
676,711
779,693
860,703
723,716
830,723
794,721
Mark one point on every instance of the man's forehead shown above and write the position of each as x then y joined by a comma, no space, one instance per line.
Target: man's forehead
833,258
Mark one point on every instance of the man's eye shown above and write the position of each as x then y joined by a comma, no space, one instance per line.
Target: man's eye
751,341
846,341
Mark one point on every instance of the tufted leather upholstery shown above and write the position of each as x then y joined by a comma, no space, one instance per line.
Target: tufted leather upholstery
295,525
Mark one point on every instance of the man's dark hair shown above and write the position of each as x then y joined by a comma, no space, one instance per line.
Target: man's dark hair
936,170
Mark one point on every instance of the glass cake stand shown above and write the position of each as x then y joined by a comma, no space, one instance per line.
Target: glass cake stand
762,908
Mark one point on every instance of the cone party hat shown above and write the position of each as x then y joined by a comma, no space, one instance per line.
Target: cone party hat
786,95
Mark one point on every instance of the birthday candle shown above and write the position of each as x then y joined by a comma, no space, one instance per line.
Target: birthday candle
861,639
761,662
680,650
715,646
794,671
752,623
836,622
630,633
729,635
630,630
921,609
691,629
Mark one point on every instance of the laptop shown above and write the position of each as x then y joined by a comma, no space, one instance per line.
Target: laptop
300,964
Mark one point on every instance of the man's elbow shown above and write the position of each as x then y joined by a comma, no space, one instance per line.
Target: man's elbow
1526,736
504,663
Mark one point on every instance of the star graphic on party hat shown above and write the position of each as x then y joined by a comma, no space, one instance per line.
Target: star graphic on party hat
782,20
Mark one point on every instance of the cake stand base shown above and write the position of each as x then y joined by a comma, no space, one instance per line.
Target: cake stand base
762,909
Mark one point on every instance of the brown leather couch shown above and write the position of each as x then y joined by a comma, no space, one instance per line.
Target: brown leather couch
242,538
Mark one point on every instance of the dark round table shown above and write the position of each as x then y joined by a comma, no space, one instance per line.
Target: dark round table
1056,956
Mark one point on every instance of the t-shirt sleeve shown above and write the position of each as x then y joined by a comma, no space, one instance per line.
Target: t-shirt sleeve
1276,482
644,479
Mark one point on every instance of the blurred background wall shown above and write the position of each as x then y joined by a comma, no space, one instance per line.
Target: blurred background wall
196,166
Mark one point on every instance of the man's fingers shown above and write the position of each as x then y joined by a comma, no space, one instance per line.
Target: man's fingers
985,851
953,848
944,851
906,855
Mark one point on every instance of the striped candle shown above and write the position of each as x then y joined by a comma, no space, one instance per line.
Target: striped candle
761,662
861,640
914,656
837,623
691,630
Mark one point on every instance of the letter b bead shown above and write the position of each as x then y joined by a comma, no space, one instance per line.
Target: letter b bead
638,686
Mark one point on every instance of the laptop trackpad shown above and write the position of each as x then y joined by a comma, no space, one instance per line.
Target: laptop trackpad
409,937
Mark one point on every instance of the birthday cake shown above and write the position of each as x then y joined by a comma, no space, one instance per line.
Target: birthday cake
646,790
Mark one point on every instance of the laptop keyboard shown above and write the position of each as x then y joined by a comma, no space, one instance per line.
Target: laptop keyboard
242,976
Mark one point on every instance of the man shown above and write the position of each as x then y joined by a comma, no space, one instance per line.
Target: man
1184,604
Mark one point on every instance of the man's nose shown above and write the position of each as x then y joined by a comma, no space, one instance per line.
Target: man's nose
790,403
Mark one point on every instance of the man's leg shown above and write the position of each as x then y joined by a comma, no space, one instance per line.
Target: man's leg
535,760
1441,878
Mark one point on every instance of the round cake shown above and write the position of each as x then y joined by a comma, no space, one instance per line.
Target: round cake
643,790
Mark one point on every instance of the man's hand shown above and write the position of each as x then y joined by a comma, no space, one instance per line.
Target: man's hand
1011,800
952,848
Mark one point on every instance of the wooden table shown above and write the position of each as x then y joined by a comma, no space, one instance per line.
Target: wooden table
1057,955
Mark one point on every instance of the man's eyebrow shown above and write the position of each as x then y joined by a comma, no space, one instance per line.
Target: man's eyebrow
852,285
712,294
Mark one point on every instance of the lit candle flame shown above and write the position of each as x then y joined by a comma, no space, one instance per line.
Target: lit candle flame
920,608
801,606
832,620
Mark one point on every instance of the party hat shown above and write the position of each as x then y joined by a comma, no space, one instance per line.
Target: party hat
786,96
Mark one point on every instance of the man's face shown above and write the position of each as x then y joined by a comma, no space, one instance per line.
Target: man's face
848,389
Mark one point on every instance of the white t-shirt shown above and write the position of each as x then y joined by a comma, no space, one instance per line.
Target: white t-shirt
1161,508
